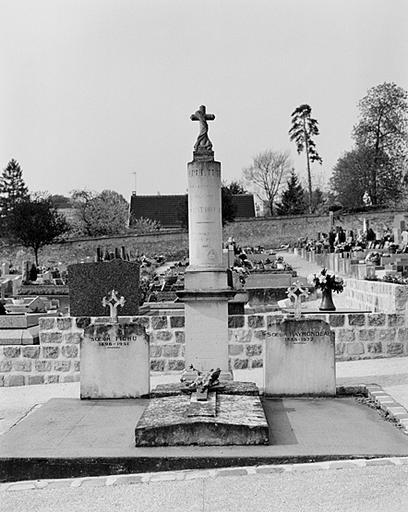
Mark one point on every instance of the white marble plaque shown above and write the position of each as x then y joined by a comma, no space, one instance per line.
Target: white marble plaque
300,358
115,361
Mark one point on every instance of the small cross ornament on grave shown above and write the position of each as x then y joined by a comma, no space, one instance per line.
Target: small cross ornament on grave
113,302
296,291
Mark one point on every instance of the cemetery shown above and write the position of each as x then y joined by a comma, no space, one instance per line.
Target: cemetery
224,358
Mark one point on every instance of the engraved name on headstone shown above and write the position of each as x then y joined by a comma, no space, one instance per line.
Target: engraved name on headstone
300,358
115,361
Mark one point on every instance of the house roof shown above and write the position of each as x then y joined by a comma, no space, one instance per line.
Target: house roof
166,208
244,204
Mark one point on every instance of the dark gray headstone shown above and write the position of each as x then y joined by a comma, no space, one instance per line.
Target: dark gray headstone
90,282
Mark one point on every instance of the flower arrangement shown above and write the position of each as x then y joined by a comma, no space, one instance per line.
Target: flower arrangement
326,280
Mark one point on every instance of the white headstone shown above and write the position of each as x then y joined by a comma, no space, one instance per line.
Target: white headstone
300,358
115,361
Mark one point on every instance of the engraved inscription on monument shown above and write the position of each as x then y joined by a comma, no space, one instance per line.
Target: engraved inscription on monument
300,358
114,361
300,337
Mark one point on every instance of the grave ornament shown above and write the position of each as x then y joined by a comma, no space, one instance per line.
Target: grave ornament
295,293
202,383
113,302
203,142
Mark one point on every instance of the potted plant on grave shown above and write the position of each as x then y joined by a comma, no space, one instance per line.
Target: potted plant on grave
328,283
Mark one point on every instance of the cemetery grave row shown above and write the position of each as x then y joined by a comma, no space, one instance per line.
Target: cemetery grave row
362,293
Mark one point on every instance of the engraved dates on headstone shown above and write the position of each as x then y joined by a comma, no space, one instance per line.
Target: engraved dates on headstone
300,358
114,361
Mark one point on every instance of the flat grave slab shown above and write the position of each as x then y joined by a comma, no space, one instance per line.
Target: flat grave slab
18,336
20,321
239,420
227,387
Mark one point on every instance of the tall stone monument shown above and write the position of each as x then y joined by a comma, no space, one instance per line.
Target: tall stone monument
206,408
205,291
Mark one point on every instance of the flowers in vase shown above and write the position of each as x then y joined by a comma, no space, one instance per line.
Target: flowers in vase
326,280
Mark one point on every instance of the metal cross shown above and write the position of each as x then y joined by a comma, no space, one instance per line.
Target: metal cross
296,291
113,302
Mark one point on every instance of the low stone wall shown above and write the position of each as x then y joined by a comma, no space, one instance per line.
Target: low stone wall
56,358
377,296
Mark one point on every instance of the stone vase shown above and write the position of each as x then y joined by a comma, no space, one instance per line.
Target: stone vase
327,301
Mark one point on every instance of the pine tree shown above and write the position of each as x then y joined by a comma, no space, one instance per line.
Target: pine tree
12,187
303,129
292,198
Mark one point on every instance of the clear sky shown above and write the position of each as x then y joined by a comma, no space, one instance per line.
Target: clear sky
93,90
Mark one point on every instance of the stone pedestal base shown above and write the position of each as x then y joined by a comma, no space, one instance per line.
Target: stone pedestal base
206,328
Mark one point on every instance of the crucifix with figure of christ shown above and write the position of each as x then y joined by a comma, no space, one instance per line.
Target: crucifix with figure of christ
203,143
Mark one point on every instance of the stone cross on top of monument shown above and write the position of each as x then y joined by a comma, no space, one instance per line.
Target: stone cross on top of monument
203,143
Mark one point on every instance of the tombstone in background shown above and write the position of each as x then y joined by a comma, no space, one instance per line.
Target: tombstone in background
399,228
115,357
88,282
300,358
25,270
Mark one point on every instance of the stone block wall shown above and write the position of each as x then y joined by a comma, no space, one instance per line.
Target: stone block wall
57,358
377,296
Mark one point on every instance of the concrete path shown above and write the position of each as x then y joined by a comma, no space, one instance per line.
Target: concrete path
345,486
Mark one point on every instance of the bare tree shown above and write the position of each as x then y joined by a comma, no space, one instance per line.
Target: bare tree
266,173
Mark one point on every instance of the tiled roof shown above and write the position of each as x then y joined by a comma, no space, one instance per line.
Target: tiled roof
165,209
244,204
162,208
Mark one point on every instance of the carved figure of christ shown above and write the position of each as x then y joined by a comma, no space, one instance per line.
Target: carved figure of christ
203,141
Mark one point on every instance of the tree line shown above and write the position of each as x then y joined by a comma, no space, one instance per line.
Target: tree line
372,173
35,220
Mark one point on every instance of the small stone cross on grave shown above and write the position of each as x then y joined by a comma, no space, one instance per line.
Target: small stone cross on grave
113,302
296,291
